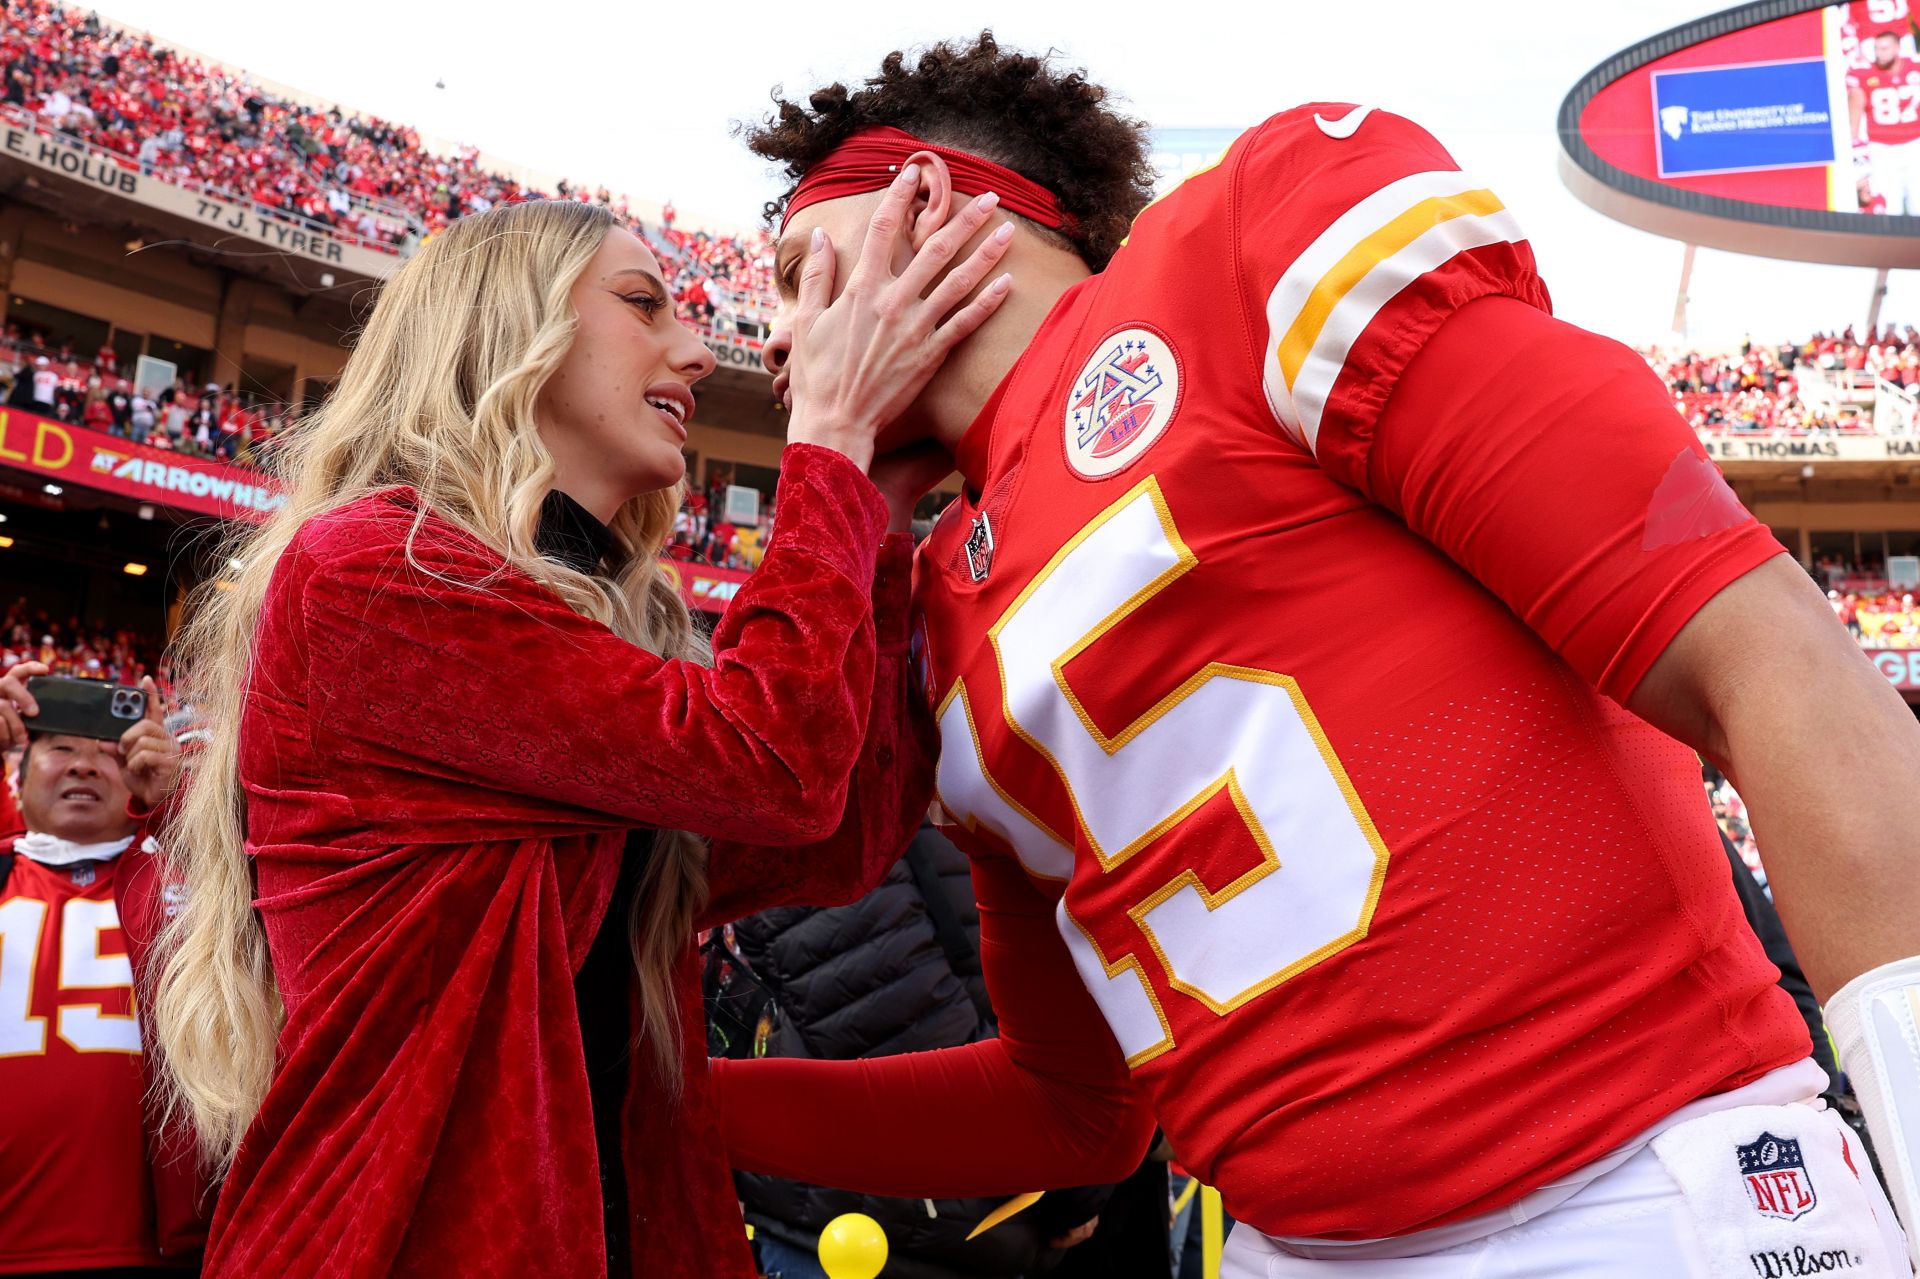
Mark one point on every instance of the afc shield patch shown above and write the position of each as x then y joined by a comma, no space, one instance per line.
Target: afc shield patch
1776,1177
1123,400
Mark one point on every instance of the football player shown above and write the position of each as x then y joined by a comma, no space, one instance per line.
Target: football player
1883,111
1421,949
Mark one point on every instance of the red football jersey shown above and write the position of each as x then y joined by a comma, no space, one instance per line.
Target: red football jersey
1893,101
75,1190
1866,19
1390,932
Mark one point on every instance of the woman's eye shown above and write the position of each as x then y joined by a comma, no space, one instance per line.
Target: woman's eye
648,303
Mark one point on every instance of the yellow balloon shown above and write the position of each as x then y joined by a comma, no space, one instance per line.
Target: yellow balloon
853,1247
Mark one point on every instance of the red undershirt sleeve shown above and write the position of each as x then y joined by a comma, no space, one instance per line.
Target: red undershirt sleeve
1045,1106
1549,462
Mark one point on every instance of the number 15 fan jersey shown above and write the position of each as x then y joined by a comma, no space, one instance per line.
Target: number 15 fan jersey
1295,708
75,1190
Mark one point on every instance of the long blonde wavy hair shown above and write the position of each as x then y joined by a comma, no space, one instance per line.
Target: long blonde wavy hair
438,394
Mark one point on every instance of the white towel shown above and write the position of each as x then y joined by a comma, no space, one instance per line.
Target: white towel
1775,1192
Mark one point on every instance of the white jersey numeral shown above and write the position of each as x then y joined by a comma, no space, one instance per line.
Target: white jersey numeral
1246,732
21,920
1900,105
85,1027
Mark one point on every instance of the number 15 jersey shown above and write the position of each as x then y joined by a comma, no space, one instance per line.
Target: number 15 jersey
1297,704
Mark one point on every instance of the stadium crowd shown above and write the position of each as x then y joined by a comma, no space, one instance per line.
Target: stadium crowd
365,180
1756,387
31,634
1878,619
207,421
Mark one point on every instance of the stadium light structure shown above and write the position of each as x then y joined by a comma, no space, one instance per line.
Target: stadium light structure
135,570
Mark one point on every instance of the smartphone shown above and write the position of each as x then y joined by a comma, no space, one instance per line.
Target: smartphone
83,707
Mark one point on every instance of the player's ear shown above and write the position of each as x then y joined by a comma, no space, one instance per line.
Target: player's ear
933,202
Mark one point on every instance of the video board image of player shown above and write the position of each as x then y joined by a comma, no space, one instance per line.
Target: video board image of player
1878,44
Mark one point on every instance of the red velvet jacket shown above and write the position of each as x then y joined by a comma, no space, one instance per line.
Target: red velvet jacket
440,777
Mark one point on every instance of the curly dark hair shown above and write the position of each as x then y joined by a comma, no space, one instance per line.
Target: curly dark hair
1052,126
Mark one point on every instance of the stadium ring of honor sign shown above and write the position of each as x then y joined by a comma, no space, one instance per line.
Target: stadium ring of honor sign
1784,128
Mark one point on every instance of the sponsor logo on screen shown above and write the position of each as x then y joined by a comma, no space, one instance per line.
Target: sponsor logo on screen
1747,118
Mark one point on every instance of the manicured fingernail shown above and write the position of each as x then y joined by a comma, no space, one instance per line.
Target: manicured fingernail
1004,283
819,239
987,201
909,175
1004,233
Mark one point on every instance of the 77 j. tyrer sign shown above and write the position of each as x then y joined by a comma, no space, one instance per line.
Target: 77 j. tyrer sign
102,170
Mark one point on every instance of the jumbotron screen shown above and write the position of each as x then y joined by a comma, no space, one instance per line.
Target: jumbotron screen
1817,110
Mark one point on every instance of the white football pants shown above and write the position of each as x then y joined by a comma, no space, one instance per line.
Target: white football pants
1634,1223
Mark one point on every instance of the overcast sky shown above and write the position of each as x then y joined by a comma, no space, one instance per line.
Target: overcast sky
641,96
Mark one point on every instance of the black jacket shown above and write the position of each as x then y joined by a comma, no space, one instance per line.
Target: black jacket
1765,922
870,980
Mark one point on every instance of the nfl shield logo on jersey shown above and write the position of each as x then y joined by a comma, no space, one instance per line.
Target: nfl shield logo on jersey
1123,400
1776,1177
980,548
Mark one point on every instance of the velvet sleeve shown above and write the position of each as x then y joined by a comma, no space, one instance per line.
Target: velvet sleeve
430,656
891,787
1550,464
1047,1105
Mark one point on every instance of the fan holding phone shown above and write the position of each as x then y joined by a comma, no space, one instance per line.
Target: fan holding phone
80,901
125,723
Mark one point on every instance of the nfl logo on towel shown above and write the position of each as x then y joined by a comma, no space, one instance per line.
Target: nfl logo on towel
1776,1177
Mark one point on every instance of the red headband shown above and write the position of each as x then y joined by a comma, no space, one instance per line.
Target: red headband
871,159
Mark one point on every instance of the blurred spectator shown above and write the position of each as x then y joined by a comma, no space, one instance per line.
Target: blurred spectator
897,971
29,634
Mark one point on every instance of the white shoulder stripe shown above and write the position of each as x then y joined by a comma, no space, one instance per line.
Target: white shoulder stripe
1327,296
1350,319
1347,230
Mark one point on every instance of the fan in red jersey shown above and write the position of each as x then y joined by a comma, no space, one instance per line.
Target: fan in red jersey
1404,948
86,1183
1883,111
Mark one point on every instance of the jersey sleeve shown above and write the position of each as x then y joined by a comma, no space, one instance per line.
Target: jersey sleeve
1357,236
1550,464
1045,1106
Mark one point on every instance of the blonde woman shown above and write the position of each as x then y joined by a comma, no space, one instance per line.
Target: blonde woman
429,1004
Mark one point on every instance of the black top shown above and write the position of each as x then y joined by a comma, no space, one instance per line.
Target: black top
569,533
603,988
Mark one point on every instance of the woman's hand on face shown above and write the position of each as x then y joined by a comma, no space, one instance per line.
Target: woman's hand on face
859,362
